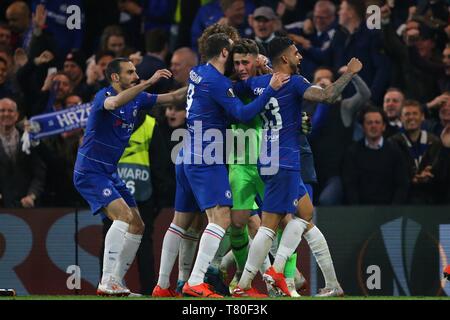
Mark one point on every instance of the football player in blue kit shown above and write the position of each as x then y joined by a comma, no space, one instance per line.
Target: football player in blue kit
109,127
202,181
283,192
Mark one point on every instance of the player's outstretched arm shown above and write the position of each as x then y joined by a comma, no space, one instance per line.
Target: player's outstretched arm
247,112
331,93
129,94
173,98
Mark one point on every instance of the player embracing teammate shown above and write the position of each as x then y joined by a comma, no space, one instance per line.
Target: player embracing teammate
200,184
285,192
203,186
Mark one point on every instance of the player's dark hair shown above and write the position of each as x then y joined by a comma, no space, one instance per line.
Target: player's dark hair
114,67
372,109
246,46
277,46
215,44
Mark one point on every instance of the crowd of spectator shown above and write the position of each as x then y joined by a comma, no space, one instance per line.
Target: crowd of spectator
385,142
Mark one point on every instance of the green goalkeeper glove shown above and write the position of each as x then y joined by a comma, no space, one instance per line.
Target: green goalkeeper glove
306,124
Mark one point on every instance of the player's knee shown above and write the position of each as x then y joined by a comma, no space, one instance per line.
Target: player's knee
139,226
224,221
307,216
306,212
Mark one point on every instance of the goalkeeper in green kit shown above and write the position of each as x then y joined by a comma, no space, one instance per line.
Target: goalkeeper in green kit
246,185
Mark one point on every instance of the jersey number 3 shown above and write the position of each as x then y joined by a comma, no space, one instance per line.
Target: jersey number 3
276,123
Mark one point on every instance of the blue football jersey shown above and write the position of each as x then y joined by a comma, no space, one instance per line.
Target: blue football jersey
282,119
211,102
108,132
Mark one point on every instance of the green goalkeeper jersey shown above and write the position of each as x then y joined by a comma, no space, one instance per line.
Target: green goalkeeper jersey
247,140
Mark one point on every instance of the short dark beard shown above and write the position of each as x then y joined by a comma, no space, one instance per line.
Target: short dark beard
295,69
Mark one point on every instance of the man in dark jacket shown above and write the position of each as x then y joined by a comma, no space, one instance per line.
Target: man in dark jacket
22,176
353,39
374,172
421,151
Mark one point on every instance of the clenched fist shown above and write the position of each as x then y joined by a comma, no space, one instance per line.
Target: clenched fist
354,66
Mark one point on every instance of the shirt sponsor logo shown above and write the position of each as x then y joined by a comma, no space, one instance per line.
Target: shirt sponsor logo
258,91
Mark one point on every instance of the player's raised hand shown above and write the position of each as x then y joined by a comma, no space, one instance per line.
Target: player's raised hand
162,73
354,66
278,80
262,65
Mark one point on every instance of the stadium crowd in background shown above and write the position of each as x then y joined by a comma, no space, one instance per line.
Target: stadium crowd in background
45,67
385,141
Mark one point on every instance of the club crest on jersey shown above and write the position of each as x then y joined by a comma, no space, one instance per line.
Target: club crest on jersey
134,112
106,192
228,194
295,202
230,93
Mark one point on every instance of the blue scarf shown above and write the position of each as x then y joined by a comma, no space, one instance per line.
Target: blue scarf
49,124
53,123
